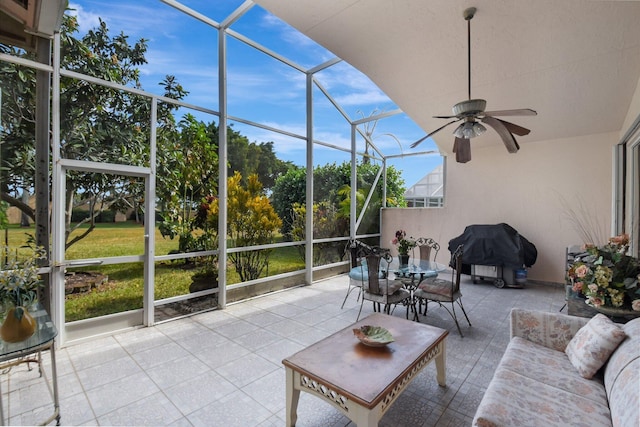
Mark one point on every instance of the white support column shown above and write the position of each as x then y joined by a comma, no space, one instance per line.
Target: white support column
354,184
150,222
57,202
222,168
309,195
384,183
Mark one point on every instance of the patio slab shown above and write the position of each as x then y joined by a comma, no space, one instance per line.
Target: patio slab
224,367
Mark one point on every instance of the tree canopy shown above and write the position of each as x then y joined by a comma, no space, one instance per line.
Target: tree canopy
329,182
106,125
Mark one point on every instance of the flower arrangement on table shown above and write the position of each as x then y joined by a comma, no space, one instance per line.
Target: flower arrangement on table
19,284
19,279
607,276
404,243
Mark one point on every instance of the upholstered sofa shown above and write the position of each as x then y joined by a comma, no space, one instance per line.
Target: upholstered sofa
537,382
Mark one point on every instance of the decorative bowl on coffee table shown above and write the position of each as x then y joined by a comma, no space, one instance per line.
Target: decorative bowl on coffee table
373,336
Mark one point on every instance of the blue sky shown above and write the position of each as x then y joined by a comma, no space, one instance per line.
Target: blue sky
260,89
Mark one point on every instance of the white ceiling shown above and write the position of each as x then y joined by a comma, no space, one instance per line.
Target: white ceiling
576,62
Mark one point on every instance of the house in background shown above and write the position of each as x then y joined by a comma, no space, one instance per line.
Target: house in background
428,192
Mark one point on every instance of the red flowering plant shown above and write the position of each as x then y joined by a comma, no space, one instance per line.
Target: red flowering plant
607,276
404,243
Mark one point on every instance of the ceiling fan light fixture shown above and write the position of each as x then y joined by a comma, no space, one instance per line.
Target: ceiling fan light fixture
478,129
468,130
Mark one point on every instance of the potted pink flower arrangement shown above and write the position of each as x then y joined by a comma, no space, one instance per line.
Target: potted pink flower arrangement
405,244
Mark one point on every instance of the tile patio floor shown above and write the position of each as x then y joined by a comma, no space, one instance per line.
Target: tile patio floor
223,368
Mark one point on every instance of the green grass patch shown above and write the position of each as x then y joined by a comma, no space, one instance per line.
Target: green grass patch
124,289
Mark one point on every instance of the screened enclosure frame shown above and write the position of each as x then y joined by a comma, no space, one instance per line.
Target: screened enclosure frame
60,166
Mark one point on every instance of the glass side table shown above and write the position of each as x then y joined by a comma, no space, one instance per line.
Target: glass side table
30,351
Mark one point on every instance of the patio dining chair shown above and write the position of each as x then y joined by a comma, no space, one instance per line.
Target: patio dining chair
359,270
445,291
427,247
357,252
384,293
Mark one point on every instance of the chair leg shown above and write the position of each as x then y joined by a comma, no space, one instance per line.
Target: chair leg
345,298
389,310
360,311
463,311
351,288
452,314
455,317
415,308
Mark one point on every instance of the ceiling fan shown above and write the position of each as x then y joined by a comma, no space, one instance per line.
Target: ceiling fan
471,112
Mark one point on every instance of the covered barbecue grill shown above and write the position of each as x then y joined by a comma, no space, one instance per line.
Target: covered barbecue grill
495,251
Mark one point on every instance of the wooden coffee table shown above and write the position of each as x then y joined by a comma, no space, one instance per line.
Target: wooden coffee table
361,381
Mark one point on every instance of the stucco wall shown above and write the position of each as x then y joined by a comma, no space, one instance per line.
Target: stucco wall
530,191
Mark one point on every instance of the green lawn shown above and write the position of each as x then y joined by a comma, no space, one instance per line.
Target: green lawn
124,288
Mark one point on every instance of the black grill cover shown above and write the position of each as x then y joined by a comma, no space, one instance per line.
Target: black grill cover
500,245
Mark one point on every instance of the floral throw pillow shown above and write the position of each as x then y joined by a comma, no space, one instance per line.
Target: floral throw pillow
592,345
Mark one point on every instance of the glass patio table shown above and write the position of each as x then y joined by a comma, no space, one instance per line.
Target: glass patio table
412,275
30,351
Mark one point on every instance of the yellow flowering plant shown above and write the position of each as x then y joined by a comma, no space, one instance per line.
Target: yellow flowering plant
607,276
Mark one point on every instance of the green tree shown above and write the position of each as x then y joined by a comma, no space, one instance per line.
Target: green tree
17,130
331,185
327,180
288,190
187,173
327,222
98,123
254,158
251,221
367,172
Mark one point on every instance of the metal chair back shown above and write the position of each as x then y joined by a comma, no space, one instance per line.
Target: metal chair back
427,247
456,264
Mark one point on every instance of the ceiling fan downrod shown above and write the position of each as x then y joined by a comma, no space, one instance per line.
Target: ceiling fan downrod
468,14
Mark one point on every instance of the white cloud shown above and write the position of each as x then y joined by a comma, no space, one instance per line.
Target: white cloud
86,20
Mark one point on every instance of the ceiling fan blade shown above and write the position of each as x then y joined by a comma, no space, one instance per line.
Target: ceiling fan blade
507,137
444,117
513,128
520,112
462,148
432,133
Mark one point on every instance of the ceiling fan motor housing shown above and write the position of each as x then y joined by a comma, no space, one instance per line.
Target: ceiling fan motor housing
469,108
